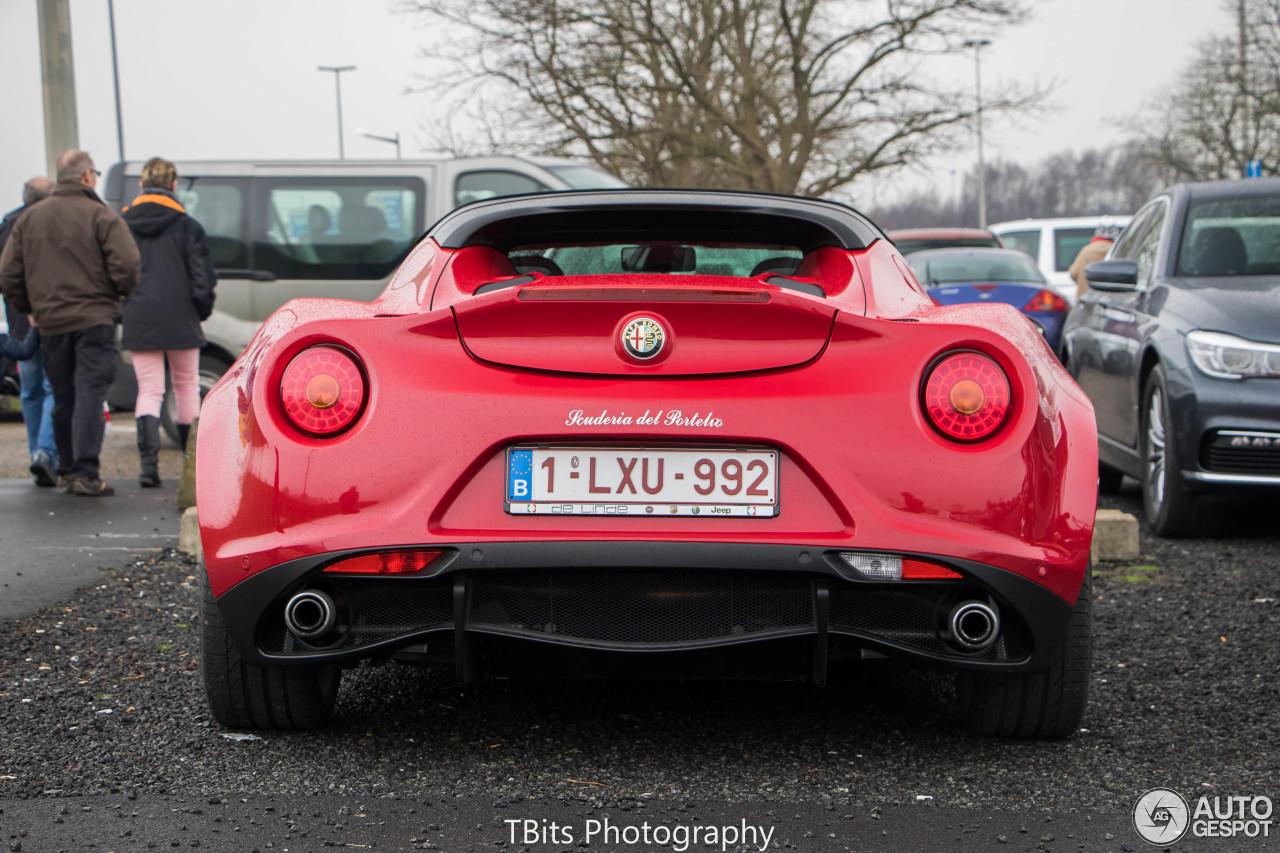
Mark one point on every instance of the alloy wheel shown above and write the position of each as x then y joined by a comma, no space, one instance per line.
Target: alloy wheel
1156,448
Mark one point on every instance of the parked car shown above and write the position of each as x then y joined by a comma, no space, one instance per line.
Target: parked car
1178,345
279,230
910,240
663,433
1054,243
955,276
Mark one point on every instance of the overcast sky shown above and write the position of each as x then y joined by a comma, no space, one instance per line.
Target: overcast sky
238,78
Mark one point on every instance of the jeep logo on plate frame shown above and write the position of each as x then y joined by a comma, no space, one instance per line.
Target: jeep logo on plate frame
643,338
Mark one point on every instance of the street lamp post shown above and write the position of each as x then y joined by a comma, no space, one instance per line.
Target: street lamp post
394,140
337,86
978,45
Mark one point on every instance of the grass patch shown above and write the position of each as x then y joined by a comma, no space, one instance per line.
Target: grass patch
1144,573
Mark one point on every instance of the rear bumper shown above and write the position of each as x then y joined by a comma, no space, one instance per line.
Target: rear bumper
651,608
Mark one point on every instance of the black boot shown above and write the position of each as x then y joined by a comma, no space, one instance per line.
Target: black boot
148,451
184,430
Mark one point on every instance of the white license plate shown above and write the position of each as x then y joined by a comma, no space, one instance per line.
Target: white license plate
641,481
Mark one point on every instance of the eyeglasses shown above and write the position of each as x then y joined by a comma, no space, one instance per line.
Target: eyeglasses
96,173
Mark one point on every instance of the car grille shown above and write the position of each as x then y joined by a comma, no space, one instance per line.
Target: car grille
1233,452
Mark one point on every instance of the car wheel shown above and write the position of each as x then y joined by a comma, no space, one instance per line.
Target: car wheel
1170,507
210,371
1109,480
1047,704
243,695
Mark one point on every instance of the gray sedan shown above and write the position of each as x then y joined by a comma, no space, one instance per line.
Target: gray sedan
1178,345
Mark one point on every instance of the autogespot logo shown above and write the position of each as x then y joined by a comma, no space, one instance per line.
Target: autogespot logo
1161,816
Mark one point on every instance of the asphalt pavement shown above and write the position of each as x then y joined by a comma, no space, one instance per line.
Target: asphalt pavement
52,544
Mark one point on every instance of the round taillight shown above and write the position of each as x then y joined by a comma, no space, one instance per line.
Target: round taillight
322,390
966,396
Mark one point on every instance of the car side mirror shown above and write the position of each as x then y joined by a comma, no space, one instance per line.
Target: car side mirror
1117,276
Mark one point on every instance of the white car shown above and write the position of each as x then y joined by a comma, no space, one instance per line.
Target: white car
1054,244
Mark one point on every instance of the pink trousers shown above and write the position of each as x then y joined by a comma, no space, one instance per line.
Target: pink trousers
148,366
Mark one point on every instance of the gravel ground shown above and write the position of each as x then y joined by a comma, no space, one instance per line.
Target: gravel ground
102,695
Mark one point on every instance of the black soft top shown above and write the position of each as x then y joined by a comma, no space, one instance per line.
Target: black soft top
626,215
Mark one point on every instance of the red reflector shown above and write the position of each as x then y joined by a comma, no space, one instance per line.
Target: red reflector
322,390
916,570
645,294
389,563
966,396
1046,300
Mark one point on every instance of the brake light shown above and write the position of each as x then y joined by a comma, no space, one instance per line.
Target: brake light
388,563
1045,300
323,390
966,396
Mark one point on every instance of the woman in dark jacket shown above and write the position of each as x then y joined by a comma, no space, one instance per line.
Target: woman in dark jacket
162,317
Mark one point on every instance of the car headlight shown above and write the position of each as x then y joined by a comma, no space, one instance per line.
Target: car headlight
1229,357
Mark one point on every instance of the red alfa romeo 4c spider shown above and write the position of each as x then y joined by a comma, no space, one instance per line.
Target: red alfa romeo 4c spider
684,434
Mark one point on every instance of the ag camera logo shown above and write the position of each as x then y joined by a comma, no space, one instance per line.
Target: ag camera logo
1160,816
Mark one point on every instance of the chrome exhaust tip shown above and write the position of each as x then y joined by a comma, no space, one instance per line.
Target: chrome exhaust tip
975,625
310,614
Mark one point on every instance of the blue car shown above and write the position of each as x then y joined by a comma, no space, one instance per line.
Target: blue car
953,276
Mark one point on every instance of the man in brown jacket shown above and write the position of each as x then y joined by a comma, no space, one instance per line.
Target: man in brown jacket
69,263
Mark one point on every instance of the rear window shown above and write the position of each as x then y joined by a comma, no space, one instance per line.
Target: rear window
1067,243
1231,237
937,271
908,246
703,258
1023,241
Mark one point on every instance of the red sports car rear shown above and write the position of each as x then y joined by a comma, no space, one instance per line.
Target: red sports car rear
656,433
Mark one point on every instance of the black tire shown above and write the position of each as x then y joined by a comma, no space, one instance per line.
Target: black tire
245,696
1171,509
1047,704
1109,480
210,371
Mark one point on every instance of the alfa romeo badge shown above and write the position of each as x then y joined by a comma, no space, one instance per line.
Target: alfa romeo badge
643,338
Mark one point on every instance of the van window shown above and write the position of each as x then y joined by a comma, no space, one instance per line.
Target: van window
335,228
1067,243
492,183
1024,241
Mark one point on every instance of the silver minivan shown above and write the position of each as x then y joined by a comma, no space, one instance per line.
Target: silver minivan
279,230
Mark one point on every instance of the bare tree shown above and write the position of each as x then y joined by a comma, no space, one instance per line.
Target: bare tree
1226,109
778,95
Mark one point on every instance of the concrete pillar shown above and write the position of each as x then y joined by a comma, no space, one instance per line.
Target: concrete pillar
58,73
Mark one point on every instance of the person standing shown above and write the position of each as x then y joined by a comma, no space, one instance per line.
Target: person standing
1095,250
69,263
36,393
162,317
